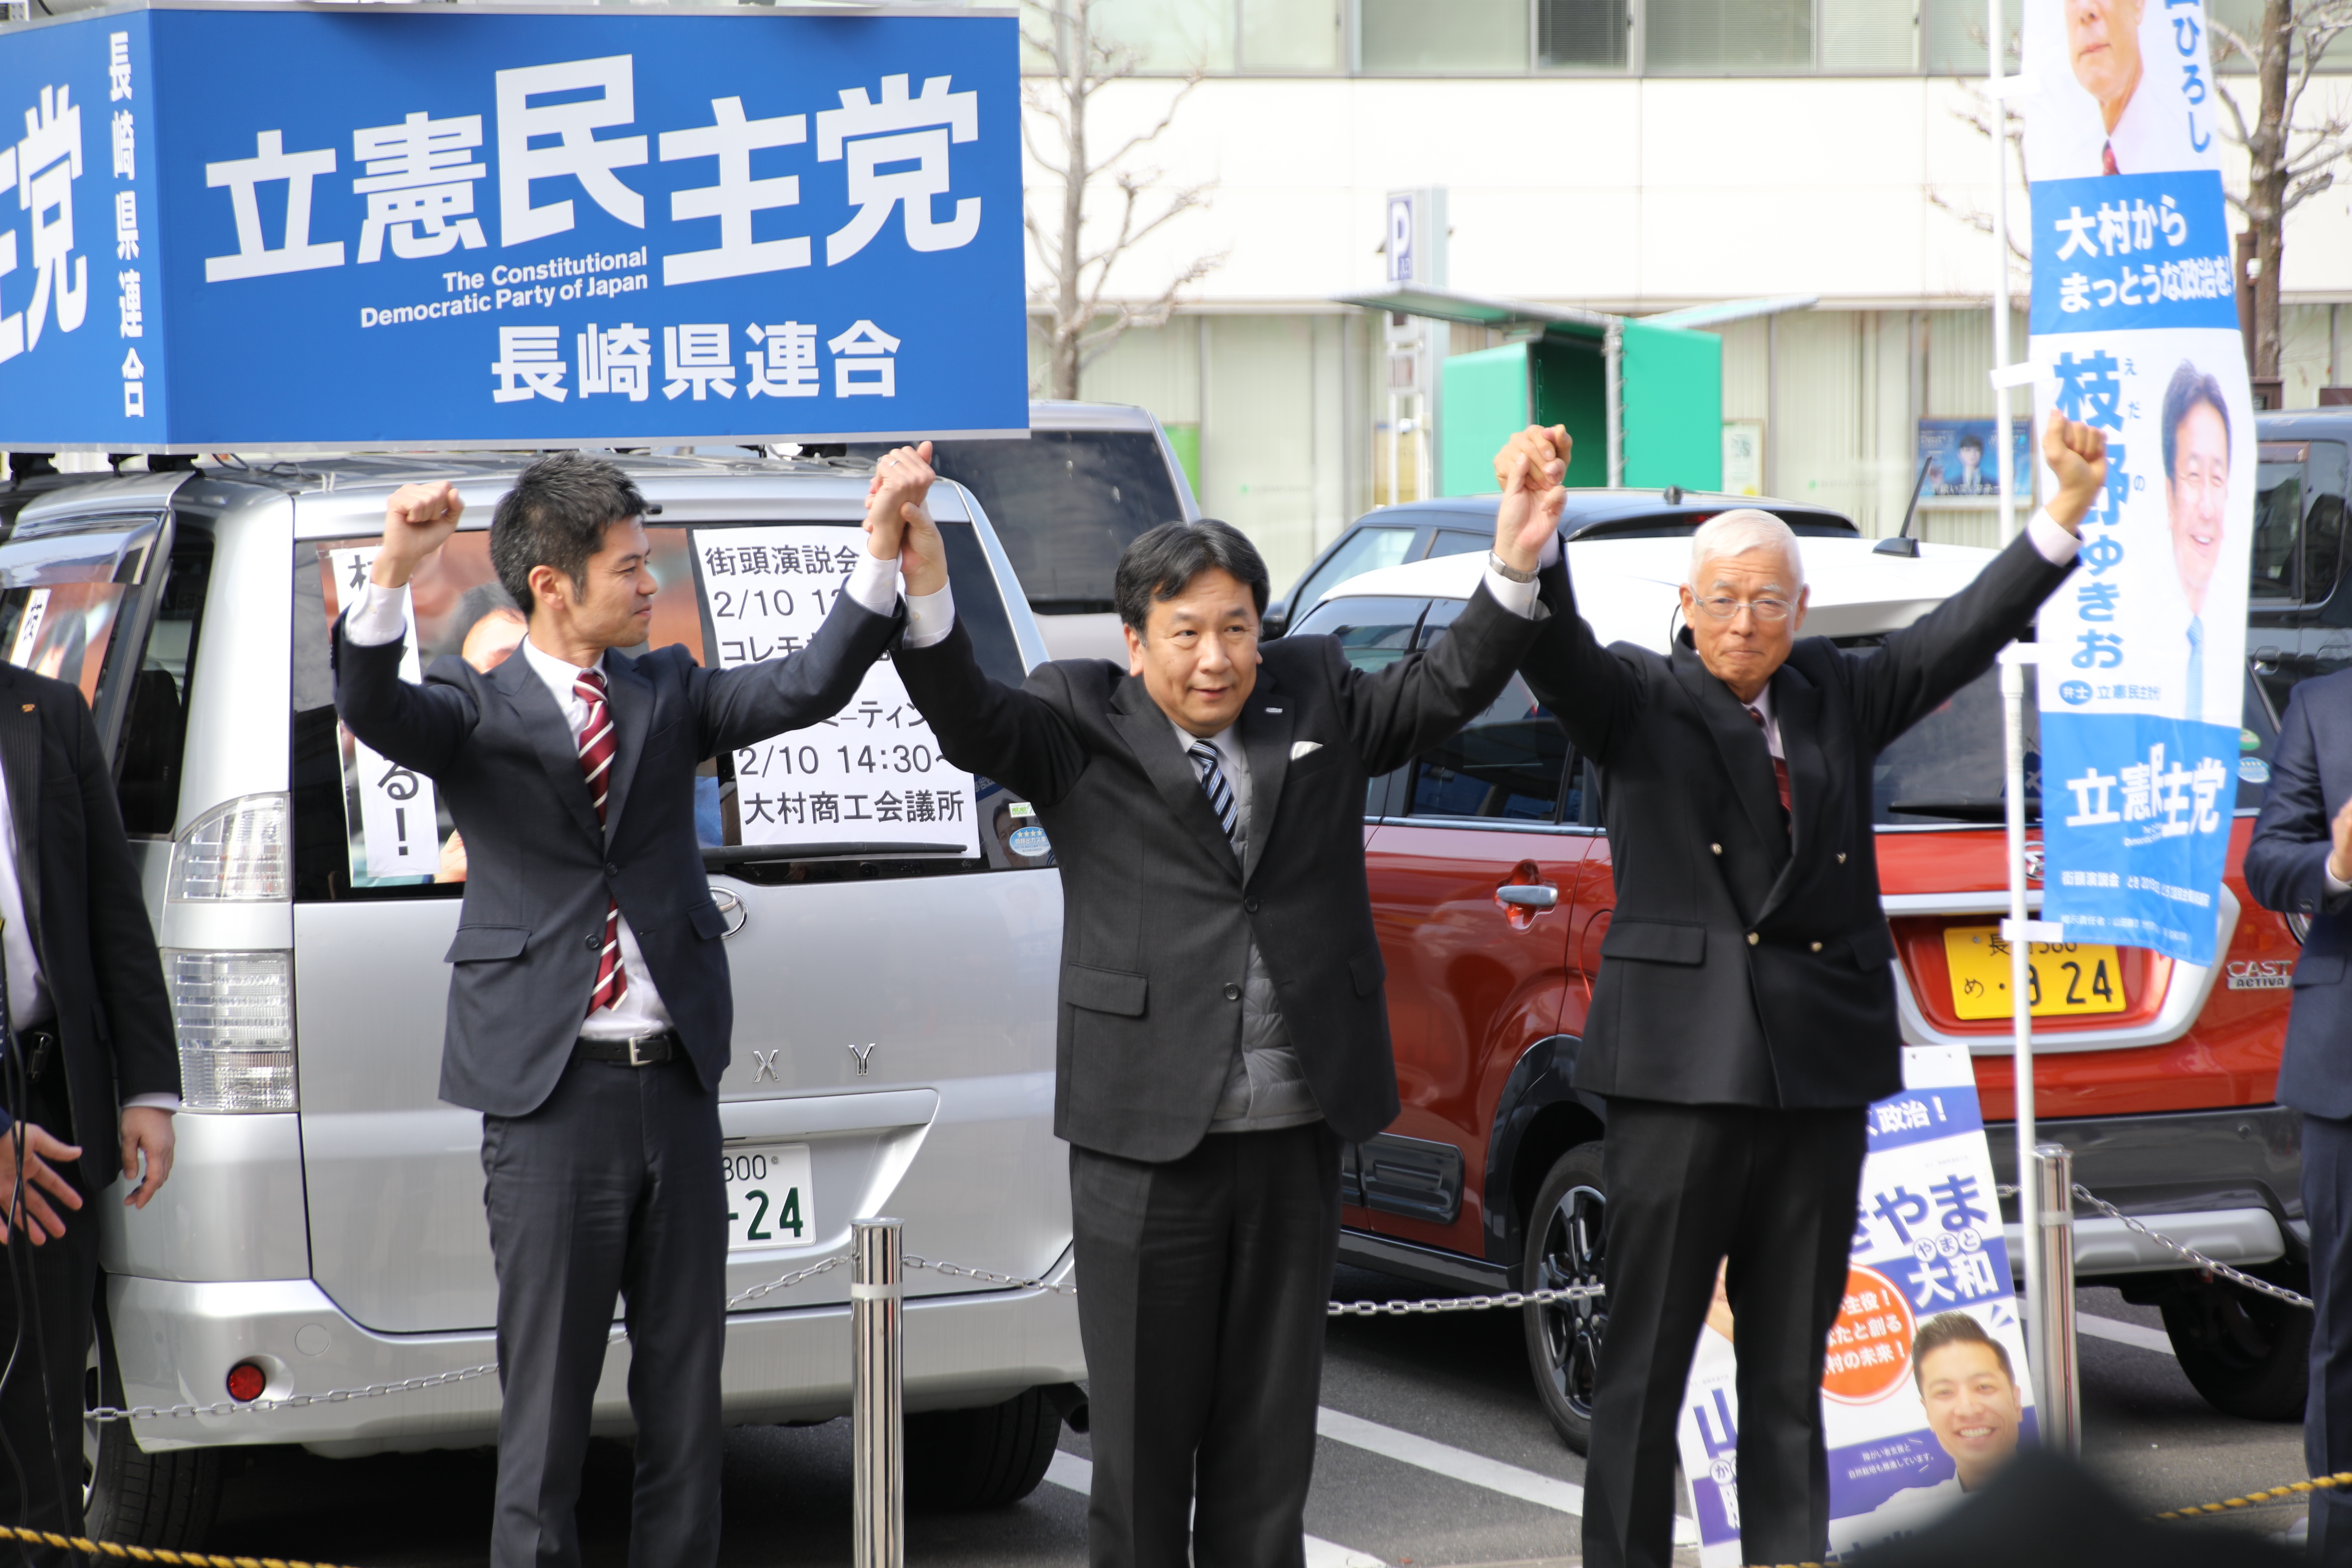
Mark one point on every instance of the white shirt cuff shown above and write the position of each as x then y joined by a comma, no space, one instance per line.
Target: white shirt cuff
874,582
1550,552
376,615
929,617
1519,598
2057,545
154,1102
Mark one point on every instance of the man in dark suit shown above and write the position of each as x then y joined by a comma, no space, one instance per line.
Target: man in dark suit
1743,1016
2299,864
1223,1028
590,1013
88,1021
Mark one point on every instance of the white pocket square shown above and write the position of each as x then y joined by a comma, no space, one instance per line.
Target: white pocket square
1304,748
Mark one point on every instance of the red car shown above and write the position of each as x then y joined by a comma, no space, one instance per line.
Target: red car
1491,889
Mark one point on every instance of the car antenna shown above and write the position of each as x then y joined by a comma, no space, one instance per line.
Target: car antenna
1902,543
1674,495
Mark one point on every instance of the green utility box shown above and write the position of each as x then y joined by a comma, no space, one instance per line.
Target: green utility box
1669,385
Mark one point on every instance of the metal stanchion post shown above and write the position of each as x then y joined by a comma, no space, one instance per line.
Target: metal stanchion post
2053,1329
877,1368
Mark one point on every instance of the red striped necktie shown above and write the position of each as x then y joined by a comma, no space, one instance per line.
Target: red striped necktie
1780,767
597,745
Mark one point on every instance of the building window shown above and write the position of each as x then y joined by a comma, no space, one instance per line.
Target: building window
1593,34
1469,37
1291,35
1870,38
1952,36
1167,36
1705,36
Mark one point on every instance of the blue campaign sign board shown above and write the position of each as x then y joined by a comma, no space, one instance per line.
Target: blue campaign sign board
281,227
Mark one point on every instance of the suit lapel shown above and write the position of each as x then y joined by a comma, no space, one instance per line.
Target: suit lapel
1745,755
20,754
1797,708
1152,738
558,749
1265,724
630,696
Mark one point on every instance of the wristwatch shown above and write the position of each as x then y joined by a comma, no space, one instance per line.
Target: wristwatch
1504,570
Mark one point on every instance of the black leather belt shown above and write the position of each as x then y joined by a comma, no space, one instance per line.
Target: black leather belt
635,1050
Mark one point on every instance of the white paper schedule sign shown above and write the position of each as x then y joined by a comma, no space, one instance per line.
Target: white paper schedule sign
871,773
399,814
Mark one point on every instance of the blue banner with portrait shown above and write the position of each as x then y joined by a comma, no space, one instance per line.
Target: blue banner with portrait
396,226
2135,333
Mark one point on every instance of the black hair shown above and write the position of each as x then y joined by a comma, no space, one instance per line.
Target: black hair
2190,387
556,515
1969,440
1162,562
1955,1329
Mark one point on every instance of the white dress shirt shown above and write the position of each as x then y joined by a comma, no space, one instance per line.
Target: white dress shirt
29,1005
377,616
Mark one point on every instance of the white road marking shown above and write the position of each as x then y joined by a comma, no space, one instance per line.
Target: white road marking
2125,1334
1079,1475
1461,1464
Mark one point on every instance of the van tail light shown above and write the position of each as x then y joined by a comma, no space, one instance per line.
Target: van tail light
238,852
234,1012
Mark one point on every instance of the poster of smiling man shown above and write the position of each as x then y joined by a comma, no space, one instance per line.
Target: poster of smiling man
2134,330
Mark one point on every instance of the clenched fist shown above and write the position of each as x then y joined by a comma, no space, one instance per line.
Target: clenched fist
417,521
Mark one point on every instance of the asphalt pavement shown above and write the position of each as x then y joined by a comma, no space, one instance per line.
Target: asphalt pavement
1433,1452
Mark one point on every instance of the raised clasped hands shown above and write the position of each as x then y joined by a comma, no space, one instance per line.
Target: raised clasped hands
42,1183
417,521
899,523
2077,456
1531,470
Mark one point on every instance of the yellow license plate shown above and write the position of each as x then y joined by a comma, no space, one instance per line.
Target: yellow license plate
2067,977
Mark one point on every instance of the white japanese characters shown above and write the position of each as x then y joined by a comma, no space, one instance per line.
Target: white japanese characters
130,310
554,142
697,361
43,167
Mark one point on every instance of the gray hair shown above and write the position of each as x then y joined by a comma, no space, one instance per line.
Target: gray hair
1740,531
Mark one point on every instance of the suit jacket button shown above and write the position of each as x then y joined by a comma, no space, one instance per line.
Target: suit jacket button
1250,904
611,869
1752,939
1233,993
1817,947
1717,848
595,938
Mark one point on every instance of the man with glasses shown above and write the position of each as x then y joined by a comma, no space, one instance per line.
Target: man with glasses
1744,1017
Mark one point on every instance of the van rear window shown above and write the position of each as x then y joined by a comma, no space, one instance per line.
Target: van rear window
868,783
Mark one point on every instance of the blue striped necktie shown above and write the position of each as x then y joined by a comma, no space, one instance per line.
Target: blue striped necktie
1214,784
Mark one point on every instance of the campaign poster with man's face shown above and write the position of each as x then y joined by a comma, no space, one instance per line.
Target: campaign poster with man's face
2122,87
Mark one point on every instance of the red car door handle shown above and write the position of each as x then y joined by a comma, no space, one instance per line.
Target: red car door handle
1535,896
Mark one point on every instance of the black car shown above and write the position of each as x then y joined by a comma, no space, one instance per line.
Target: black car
2298,604
1418,531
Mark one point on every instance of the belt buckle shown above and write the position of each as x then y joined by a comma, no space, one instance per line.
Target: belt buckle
637,1044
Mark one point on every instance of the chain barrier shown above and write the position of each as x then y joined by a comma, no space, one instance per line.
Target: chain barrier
122,1553
2211,1266
2255,1499
1509,1299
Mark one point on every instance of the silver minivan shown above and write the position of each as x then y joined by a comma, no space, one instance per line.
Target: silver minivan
893,995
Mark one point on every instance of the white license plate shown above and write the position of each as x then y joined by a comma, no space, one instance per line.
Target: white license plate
768,1200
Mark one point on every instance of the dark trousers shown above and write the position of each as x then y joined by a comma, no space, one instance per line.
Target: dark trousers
611,1188
1202,1286
2327,1409
1688,1187
58,1277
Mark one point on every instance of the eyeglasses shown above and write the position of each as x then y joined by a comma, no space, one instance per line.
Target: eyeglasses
1771,612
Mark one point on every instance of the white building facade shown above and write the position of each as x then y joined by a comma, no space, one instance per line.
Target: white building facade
1624,156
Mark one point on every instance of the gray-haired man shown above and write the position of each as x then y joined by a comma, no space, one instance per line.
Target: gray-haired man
1743,1016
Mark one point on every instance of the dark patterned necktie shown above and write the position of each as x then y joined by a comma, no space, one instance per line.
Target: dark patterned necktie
1780,767
1214,784
597,745
2108,160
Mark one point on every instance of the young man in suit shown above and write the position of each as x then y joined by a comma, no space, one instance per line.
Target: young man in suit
1743,1017
90,1029
589,1007
1223,1029
2300,863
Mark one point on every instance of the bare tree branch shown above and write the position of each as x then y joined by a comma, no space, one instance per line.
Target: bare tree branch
1082,318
